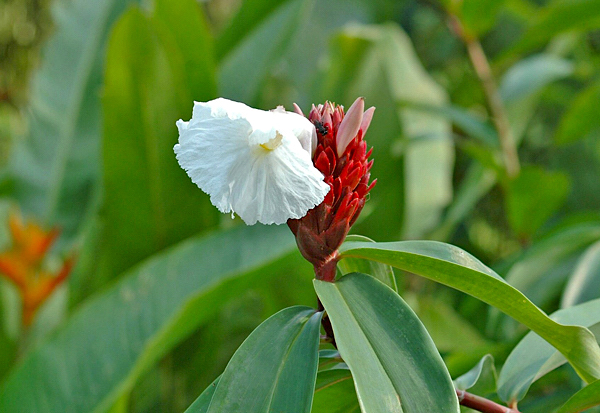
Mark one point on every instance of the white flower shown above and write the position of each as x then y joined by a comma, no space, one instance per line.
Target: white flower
252,162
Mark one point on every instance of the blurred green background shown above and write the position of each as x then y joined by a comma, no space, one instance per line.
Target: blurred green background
89,94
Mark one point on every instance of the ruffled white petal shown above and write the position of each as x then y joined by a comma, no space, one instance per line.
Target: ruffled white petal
252,162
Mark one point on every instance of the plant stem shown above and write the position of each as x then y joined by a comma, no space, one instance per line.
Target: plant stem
481,404
484,72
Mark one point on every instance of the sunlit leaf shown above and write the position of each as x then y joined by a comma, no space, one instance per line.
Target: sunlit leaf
580,119
456,268
395,365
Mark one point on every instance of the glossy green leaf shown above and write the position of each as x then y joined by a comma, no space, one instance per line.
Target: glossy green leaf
481,379
533,357
456,268
275,369
411,145
149,201
116,335
395,365
584,399
580,119
584,283
533,197
244,70
382,272
335,393
56,168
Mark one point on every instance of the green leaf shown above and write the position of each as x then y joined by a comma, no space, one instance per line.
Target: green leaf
149,201
481,379
584,399
522,84
186,22
244,70
533,197
250,14
382,272
581,118
56,167
541,270
275,369
557,17
479,16
117,335
533,357
201,404
584,284
395,365
335,393
412,145
451,266
531,74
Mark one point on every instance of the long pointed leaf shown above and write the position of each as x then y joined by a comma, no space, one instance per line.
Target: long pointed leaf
395,365
456,268
275,368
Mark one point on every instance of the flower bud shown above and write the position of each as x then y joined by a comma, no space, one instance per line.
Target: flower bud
341,156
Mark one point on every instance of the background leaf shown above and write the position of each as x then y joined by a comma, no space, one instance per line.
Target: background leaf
584,283
55,170
119,333
149,201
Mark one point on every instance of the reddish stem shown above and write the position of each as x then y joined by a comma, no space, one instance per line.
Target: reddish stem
481,404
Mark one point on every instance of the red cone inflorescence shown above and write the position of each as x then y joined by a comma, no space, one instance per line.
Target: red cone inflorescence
342,157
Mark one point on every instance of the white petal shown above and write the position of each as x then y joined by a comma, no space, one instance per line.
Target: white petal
251,162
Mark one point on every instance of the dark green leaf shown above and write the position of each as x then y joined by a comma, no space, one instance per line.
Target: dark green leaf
116,335
584,399
456,268
581,118
560,16
335,393
395,365
533,197
149,201
201,404
275,369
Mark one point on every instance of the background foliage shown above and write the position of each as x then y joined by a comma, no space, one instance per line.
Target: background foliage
165,288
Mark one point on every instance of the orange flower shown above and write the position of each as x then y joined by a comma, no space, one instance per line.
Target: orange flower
22,264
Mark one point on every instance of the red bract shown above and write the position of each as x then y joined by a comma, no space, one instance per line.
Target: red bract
342,157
